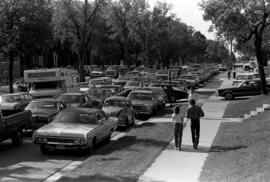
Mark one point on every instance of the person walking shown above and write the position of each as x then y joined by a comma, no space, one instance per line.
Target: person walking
178,127
194,113
192,95
229,73
234,74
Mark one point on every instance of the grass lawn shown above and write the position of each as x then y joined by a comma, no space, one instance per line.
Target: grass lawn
237,108
127,158
240,152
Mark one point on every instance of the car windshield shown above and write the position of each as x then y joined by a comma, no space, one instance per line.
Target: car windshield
99,93
10,98
132,73
42,105
70,99
116,103
140,96
75,117
187,77
97,82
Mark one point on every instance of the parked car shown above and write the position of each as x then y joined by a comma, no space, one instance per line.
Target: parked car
98,72
119,82
12,124
112,73
222,67
161,96
75,129
15,101
97,82
100,93
116,89
131,85
173,93
44,110
149,72
243,88
120,109
74,99
144,101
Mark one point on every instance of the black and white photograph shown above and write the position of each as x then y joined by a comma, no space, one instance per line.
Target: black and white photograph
134,90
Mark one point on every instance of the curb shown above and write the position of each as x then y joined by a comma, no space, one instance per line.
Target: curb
265,107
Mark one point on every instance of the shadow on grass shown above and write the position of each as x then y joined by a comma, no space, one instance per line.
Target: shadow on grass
224,149
125,144
100,178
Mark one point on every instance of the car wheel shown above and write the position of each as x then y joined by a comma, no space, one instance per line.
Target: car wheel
44,150
17,139
229,96
172,99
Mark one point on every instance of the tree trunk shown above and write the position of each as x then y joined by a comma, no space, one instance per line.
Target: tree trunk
10,72
258,46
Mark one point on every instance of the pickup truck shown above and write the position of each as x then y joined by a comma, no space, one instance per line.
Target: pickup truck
12,124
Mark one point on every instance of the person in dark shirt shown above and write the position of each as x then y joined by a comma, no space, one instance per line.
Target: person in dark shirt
194,113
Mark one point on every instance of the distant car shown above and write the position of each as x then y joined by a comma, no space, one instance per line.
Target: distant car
131,85
119,82
112,73
98,72
133,73
222,67
120,109
15,101
124,93
75,129
173,94
74,99
100,93
242,88
144,101
97,82
149,72
44,110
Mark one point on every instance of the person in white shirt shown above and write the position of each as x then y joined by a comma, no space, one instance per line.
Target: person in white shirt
178,121
192,95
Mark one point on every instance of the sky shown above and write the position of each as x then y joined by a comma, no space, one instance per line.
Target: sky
189,12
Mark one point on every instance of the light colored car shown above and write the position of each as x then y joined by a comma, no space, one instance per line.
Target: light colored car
15,101
131,85
144,101
75,129
97,82
74,99
120,109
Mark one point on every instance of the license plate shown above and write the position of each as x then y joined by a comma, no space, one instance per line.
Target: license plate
60,147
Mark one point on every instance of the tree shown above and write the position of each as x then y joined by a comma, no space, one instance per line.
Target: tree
24,26
74,20
241,20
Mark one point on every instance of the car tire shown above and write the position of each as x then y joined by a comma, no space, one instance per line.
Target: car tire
17,139
44,150
229,96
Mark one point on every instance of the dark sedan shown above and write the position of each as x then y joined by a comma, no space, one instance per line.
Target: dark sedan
44,110
239,89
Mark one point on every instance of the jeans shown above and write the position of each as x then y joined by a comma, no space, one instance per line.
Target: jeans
178,131
195,131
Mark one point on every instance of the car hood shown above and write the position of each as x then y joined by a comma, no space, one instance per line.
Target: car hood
44,112
65,130
112,110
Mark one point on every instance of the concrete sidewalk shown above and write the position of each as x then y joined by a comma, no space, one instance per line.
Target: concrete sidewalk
177,166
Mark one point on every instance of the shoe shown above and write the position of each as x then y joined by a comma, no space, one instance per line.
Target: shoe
194,146
179,149
175,148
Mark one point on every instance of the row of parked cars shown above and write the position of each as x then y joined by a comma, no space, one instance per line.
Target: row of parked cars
82,119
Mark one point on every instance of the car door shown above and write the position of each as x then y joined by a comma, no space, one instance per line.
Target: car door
99,130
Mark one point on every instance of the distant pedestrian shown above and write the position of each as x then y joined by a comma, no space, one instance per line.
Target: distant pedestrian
178,127
234,74
192,95
229,74
194,113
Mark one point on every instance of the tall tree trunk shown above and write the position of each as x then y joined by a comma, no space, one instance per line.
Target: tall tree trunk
10,72
258,49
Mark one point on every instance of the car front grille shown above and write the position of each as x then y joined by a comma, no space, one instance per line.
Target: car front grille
41,119
139,107
60,140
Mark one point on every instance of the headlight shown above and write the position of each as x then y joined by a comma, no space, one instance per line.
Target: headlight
80,141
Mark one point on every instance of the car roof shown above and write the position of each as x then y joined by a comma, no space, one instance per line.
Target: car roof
74,93
142,91
116,98
81,109
11,94
46,100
